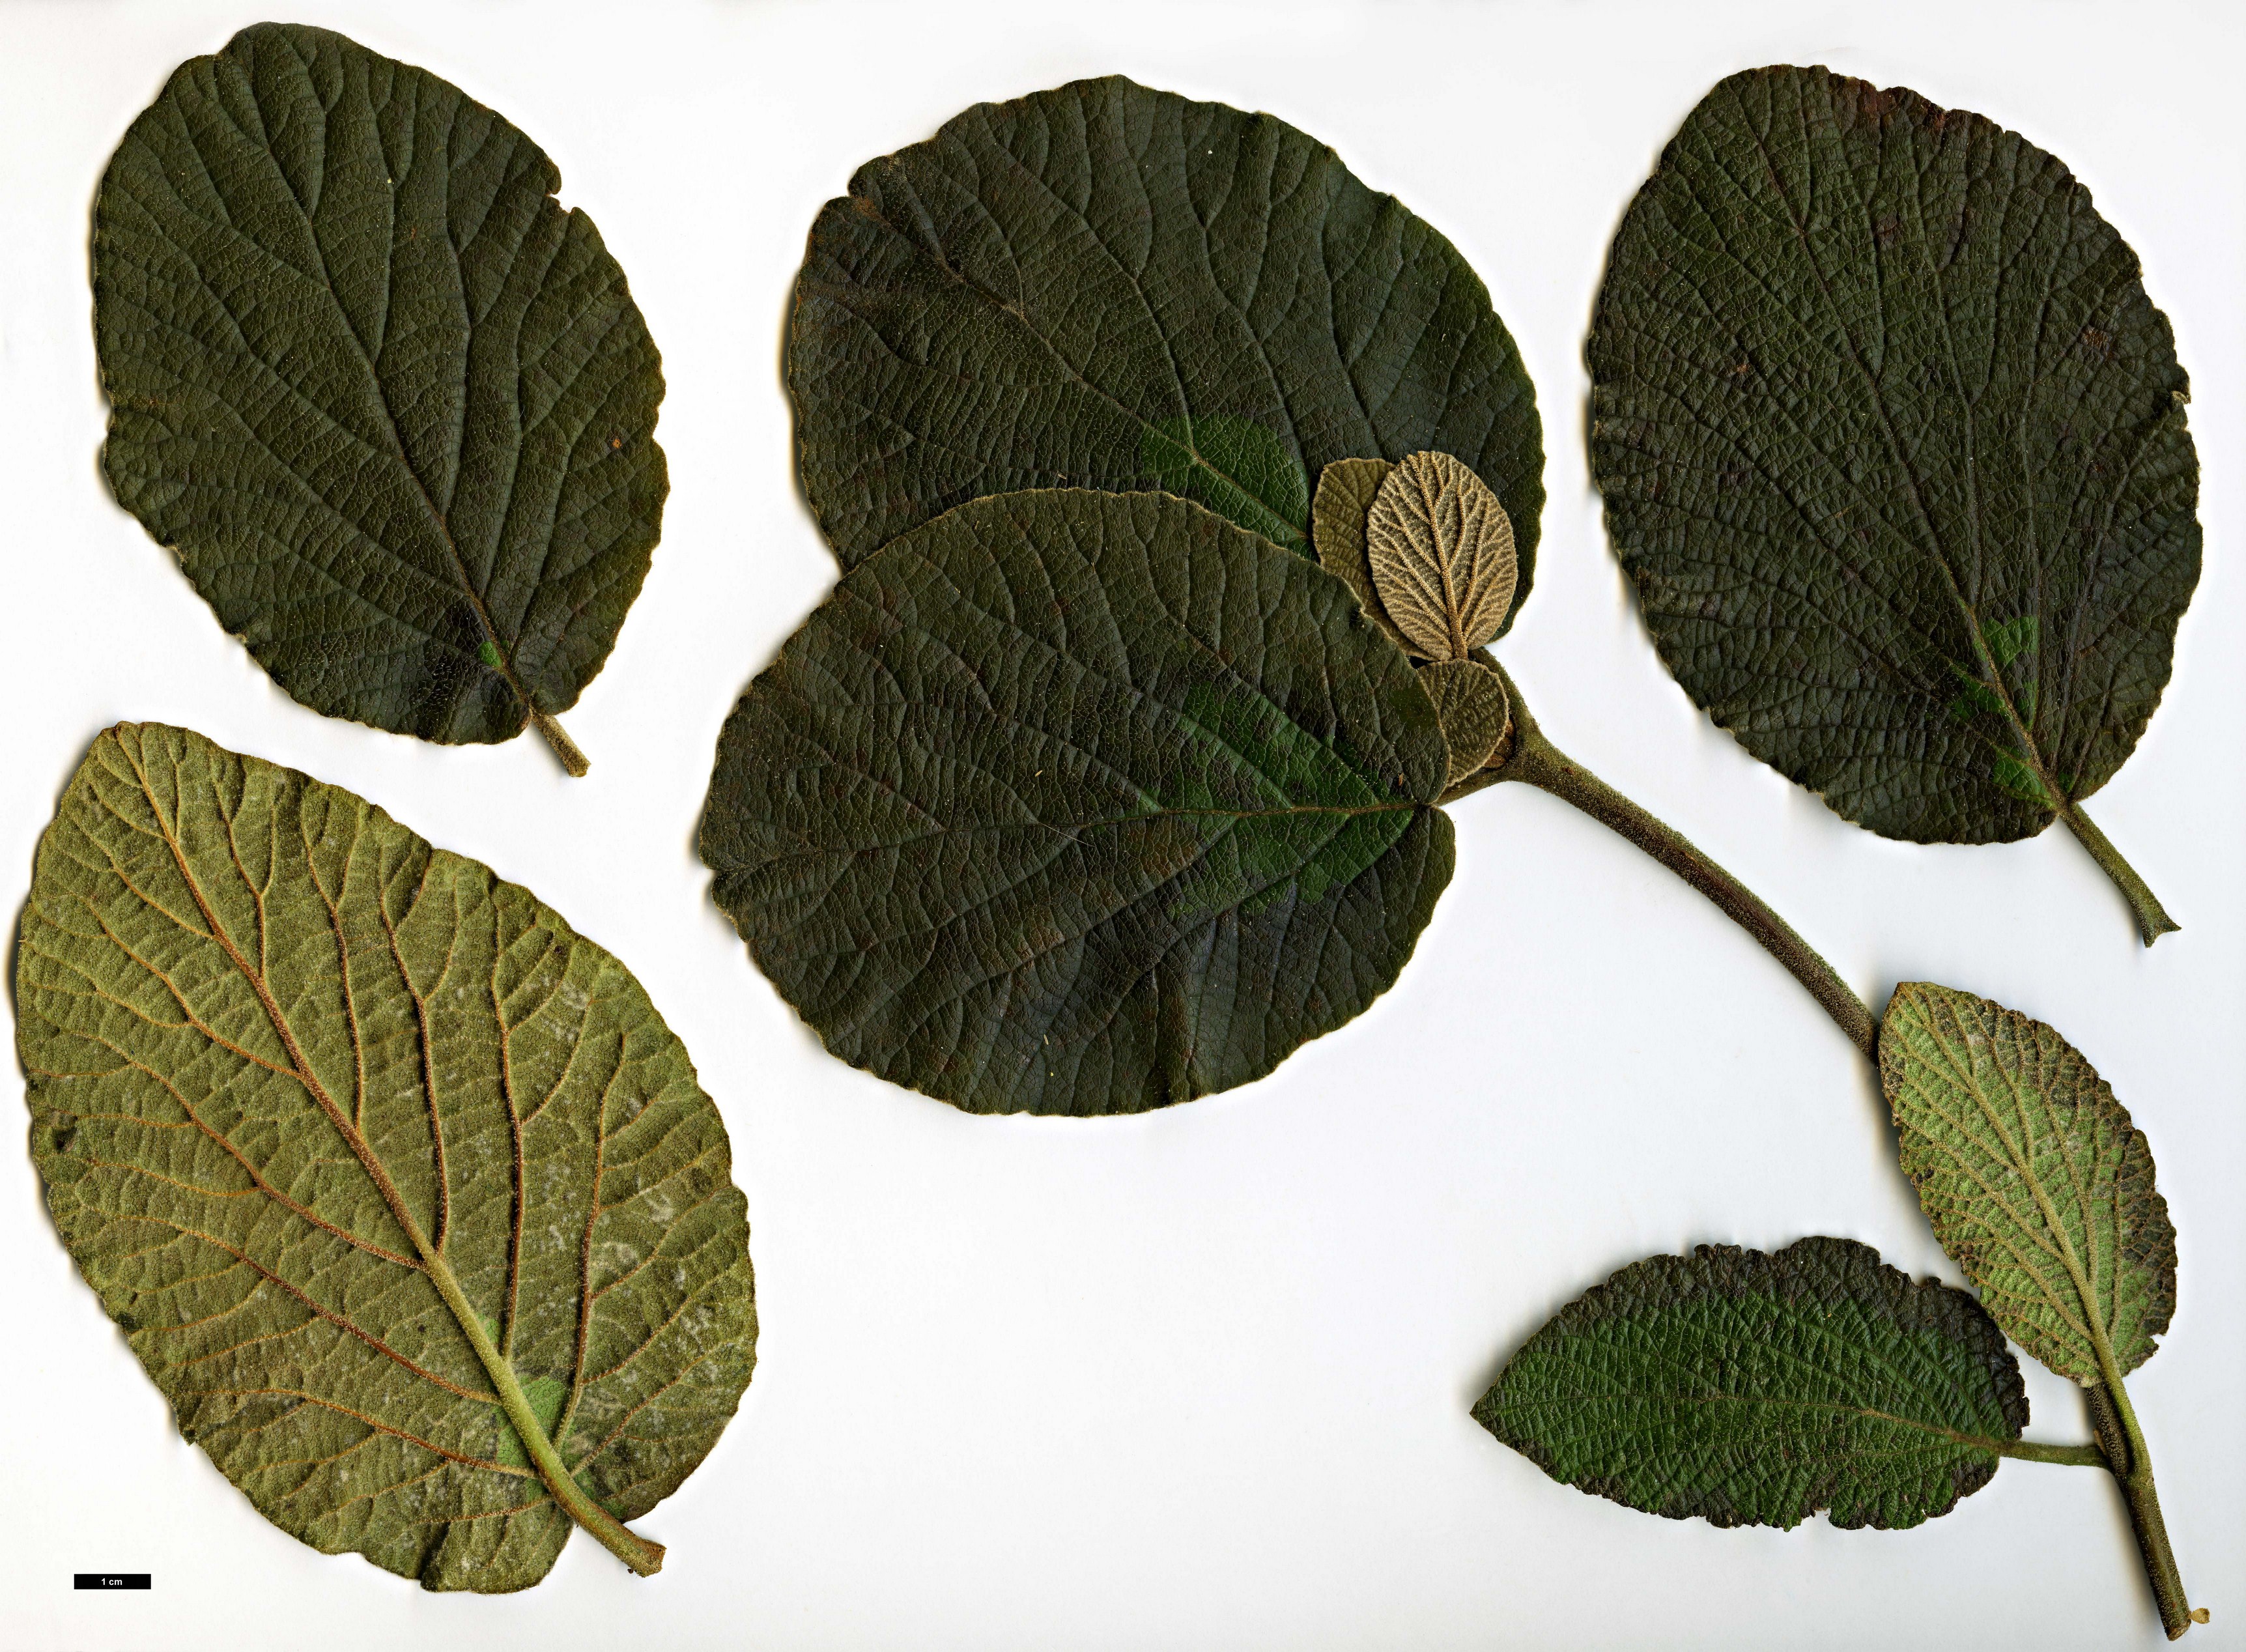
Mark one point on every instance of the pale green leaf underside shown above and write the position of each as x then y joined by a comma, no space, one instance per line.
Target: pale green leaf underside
391,405
2033,1177
237,989
1110,287
1892,441
1754,1390
1082,802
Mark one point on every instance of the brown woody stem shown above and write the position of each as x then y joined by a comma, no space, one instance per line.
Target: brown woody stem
2115,1422
1537,760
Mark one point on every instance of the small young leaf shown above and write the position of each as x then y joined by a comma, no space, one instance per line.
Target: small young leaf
1754,1390
1473,709
1879,403
2034,1179
1106,286
390,404
1078,802
1346,488
1441,555
351,1138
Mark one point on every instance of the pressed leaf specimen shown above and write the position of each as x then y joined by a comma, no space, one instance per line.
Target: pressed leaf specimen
1082,802
1033,813
1756,1390
1893,446
1110,287
1074,799
400,1189
392,407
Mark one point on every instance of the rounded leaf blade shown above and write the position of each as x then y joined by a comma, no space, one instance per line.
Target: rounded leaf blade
2034,1179
1473,709
391,406
1077,802
1441,556
1892,443
304,1089
1112,287
1754,1388
1338,511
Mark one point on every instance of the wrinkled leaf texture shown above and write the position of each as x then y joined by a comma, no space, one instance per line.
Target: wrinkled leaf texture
390,404
1075,802
1893,444
242,993
2034,1179
1110,287
1340,512
1473,709
1754,1388
1440,555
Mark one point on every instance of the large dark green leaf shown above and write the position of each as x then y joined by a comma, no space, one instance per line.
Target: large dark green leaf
1754,1390
2034,1178
1082,802
1893,444
391,405
1105,286
401,1190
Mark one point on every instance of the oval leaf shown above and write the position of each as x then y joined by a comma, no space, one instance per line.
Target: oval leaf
1441,553
350,1136
1893,444
1106,286
393,407
1338,515
1754,1390
2034,1179
1073,802
1473,709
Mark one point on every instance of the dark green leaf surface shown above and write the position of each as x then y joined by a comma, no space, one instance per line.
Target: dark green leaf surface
2034,1179
1105,286
1081,803
1893,443
391,405
342,1129
1754,1390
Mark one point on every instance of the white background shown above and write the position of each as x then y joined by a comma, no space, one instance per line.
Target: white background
1200,1378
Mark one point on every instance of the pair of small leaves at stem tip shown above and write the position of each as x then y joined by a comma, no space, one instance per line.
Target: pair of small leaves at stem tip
1427,550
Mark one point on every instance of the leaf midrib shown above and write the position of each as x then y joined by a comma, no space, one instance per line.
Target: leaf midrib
936,256
2060,803
499,645
507,1390
1775,1402
2092,1318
